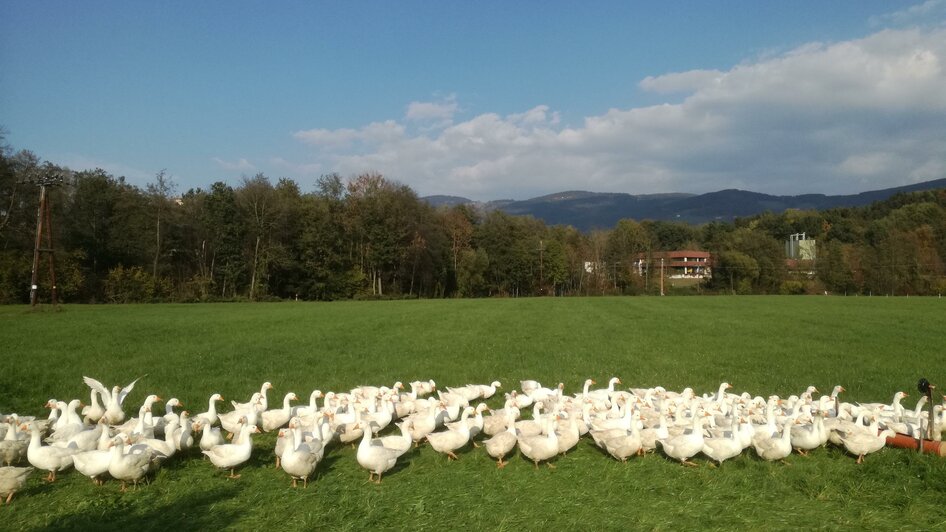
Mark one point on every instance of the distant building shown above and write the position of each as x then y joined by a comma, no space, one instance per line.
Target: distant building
800,247
800,254
683,264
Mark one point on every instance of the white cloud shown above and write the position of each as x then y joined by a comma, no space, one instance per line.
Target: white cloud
825,117
241,165
689,81
928,12
374,133
441,112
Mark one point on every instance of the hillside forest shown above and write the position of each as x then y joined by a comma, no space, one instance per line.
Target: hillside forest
367,236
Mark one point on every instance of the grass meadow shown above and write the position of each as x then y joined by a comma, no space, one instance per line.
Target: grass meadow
763,345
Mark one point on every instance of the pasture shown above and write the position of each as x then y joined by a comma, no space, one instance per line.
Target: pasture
763,345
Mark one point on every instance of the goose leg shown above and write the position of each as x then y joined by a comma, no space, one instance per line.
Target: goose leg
500,464
305,482
550,464
277,462
10,497
451,455
379,479
689,463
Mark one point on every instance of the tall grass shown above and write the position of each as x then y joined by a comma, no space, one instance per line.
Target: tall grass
764,345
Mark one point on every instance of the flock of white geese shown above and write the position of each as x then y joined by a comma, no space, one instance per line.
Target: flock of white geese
99,442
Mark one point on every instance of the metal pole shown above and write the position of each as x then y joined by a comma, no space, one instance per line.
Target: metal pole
661,276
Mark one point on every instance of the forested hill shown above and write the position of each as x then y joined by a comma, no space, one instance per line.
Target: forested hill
370,237
594,210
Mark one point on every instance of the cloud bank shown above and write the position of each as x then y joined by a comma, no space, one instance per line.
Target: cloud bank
825,117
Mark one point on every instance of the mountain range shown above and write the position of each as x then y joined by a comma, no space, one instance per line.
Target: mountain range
589,210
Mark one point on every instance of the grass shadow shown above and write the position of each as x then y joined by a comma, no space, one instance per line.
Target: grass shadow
200,511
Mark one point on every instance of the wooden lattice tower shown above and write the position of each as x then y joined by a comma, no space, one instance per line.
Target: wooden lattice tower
44,227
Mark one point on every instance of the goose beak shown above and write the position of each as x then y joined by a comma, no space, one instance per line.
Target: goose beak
158,398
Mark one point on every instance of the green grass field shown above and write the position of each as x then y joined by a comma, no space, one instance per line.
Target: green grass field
764,345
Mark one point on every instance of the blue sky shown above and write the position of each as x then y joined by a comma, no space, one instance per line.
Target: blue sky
485,99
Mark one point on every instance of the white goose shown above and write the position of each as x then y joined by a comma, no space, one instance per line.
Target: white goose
300,459
247,414
311,408
51,459
686,445
540,448
114,399
720,449
499,420
375,458
69,423
570,435
455,437
231,455
14,444
209,436
624,446
809,436
95,411
775,447
602,396
397,442
474,423
129,467
425,422
184,434
860,443
85,440
276,418
210,416
503,442
11,480
488,390
93,463
165,446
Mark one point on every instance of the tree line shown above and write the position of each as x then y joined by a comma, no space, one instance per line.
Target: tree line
371,237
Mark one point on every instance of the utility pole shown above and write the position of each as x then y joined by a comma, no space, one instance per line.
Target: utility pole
661,276
44,225
541,269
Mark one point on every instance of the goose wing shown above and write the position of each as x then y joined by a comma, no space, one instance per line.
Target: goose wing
127,389
98,387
